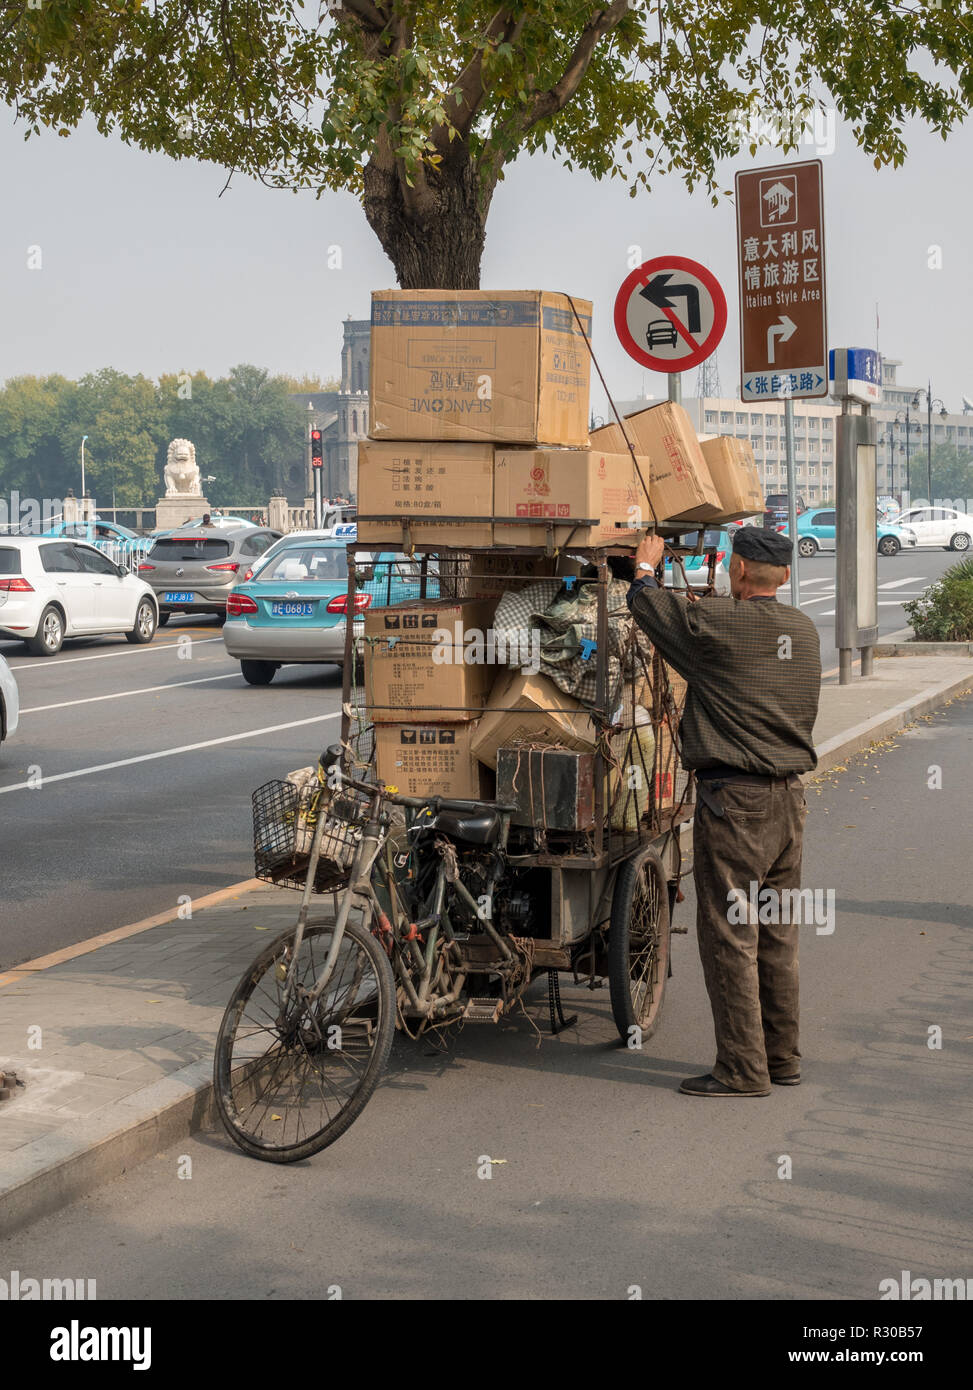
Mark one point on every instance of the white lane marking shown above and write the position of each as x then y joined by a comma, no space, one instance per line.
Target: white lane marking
821,579
829,614
50,665
824,598
900,583
120,694
171,752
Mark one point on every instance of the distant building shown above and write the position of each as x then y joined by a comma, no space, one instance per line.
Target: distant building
814,436
342,415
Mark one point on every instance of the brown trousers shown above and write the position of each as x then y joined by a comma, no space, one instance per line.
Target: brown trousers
750,967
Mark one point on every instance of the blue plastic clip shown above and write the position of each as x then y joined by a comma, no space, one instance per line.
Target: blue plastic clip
587,647
569,581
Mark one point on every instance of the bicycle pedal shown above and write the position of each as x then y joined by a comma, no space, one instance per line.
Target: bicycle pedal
483,1011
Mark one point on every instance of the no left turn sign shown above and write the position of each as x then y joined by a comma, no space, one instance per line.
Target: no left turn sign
670,314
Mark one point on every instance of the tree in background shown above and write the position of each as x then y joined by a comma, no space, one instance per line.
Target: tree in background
952,474
248,431
418,107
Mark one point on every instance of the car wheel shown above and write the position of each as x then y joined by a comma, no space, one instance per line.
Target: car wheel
960,541
258,672
220,619
50,633
807,546
145,623
888,545
163,619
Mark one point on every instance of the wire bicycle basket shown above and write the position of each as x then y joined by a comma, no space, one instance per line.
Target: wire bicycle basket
285,816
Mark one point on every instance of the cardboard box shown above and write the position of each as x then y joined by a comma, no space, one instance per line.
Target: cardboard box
553,485
431,759
423,483
496,572
520,711
680,485
511,366
734,472
415,662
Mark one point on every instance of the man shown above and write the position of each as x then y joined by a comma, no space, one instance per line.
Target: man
753,668
207,520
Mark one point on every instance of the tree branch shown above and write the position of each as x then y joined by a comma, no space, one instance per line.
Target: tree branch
369,15
503,28
550,102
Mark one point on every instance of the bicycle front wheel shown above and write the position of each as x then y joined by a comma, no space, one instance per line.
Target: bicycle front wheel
290,1076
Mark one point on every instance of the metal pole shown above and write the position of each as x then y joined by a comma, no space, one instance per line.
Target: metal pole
791,498
83,438
929,439
318,501
675,387
908,464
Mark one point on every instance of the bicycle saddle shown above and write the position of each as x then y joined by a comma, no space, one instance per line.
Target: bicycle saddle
482,829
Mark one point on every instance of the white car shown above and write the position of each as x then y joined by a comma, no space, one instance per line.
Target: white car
9,702
51,589
943,526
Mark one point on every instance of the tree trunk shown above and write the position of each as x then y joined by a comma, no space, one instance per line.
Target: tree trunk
434,233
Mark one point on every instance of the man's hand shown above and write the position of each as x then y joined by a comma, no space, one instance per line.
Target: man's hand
649,552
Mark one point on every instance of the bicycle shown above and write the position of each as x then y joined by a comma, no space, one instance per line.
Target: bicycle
309,1028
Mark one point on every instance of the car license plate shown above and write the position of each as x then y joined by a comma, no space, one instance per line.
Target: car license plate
292,610
178,597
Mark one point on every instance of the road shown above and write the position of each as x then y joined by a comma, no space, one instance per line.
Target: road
147,756
900,577
605,1179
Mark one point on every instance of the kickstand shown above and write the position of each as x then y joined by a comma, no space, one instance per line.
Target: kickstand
558,1021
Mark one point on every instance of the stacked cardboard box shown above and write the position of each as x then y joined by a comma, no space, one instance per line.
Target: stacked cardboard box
479,438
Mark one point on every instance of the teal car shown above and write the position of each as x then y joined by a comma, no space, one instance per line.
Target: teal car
99,533
697,566
816,530
292,606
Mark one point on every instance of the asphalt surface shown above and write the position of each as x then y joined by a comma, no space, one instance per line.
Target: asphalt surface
96,846
109,845
604,1179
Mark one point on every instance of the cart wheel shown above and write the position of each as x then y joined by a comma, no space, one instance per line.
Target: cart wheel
638,944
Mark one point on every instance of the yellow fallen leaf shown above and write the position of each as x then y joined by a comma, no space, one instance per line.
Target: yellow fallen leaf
276,1117
498,1160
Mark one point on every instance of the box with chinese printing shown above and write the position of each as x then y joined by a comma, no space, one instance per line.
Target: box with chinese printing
734,471
590,497
680,485
431,759
510,366
531,709
443,490
496,571
428,662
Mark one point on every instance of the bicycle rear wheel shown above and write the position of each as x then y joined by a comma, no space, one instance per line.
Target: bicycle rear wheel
290,1080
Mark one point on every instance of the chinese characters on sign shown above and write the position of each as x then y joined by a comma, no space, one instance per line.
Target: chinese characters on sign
780,236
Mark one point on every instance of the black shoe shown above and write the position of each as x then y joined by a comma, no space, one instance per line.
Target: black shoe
793,1080
709,1086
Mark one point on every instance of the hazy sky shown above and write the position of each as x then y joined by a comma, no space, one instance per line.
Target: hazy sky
146,269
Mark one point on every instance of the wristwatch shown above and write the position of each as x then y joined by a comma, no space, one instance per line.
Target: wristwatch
643,565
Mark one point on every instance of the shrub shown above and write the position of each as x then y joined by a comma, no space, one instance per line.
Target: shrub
944,613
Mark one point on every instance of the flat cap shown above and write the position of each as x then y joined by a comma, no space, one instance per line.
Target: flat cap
756,543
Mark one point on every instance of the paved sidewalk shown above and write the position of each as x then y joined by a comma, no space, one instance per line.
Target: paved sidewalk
128,1022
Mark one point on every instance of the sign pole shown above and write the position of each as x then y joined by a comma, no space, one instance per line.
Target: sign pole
792,498
675,387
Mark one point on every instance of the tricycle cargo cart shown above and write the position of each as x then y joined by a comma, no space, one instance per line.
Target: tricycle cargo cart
423,911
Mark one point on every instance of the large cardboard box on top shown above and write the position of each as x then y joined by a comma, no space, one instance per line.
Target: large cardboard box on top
510,366
603,491
680,485
734,471
407,673
423,483
431,759
519,711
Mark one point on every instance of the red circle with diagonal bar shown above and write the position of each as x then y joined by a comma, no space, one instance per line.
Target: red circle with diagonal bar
670,313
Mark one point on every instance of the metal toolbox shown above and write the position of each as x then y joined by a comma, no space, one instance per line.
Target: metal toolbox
552,788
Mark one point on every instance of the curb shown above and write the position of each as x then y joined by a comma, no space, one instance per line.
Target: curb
845,745
57,1170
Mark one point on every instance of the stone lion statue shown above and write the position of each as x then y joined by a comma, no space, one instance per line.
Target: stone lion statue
181,471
